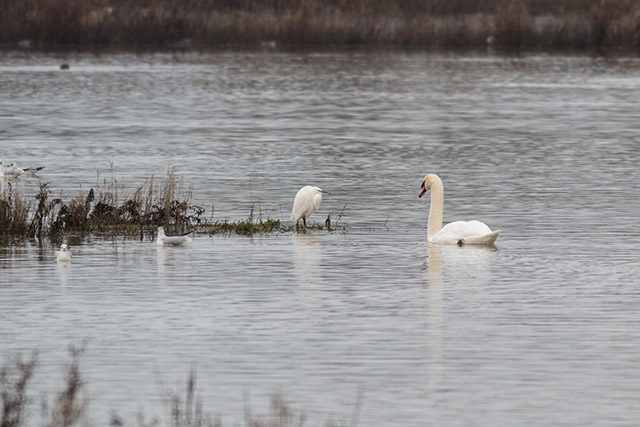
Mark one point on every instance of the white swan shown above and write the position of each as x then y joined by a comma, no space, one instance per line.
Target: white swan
458,232
63,255
164,240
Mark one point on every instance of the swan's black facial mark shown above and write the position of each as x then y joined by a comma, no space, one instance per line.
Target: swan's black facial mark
423,190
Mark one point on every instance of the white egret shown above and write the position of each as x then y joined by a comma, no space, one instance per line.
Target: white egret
458,232
164,240
63,255
307,200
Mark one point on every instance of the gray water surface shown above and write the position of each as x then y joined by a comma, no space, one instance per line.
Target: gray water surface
543,329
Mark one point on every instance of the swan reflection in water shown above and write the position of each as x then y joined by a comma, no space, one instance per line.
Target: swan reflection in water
433,285
307,257
448,263
451,262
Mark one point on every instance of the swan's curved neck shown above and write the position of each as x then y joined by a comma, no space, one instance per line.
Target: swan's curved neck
435,208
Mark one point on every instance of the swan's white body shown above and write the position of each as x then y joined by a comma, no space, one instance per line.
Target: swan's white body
164,240
307,200
455,233
63,255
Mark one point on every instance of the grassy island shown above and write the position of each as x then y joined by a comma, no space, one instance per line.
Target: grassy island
104,210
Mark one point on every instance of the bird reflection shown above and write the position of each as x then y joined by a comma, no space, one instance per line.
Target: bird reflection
434,281
171,260
451,262
161,261
306,257
445,264
62,269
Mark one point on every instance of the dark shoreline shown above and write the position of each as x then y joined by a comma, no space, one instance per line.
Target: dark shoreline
500,24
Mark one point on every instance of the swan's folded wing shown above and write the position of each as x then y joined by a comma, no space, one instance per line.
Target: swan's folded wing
466,232
486,239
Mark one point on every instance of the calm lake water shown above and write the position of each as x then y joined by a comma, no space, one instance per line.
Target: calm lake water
544,329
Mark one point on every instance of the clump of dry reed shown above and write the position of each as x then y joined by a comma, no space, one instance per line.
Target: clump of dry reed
70,403
14,212
70,406
184,409
102,209
446,23
281,415
15,376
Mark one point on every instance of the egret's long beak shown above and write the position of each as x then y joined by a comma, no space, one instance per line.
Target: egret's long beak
324,192
424,190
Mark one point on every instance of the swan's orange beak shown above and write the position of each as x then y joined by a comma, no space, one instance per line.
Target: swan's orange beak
424,190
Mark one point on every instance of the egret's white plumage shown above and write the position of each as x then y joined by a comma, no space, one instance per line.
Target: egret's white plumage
307,200
164,240
63,255
458,232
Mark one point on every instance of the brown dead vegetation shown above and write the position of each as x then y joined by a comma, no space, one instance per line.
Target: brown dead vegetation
454,23
102,209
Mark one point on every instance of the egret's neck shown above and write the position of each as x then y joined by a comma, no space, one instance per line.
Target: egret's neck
435,208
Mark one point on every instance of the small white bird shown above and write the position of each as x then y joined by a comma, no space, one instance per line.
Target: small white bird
164,240
63,255
307,200
15,171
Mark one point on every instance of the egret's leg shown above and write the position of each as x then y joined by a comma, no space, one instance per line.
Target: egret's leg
305,222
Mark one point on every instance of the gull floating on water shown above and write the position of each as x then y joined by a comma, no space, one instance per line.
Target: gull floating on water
14,171
164,240
63,255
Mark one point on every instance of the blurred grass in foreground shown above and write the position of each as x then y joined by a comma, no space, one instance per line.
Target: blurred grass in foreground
70,406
